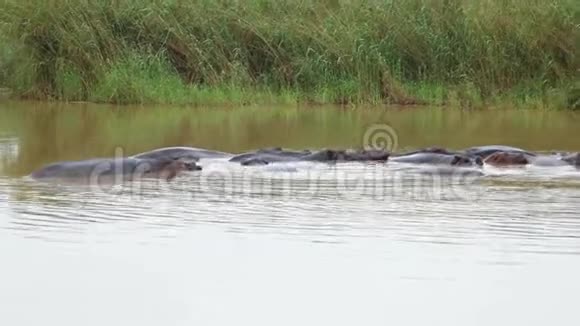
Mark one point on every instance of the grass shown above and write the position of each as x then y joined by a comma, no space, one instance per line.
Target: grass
441,52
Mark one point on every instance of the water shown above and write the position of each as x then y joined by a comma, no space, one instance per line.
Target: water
313,244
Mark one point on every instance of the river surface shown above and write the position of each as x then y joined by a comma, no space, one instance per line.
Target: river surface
307,244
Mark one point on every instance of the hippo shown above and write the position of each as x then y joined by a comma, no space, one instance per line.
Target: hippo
485,151
275,154
266,158
113,168
323,155
263,157
184,153
364,155
506,159
573,159
283,152
438,159
253,161
549,160
349,155
541,160
437,150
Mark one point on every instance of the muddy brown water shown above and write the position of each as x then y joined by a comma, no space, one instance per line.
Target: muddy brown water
302,244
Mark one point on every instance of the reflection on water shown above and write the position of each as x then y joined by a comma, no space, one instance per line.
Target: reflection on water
49,133
341,244
8,151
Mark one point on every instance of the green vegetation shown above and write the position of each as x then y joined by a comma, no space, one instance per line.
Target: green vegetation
441,52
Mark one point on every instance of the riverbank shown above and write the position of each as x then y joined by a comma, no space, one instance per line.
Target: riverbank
455,53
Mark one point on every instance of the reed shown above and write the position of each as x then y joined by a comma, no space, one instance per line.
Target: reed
443,52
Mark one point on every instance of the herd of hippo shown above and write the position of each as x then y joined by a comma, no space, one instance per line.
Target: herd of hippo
168,162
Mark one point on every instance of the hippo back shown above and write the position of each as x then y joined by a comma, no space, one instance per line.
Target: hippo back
485,151
186,153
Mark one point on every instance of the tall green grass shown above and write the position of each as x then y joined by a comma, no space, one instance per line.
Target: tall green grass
444,52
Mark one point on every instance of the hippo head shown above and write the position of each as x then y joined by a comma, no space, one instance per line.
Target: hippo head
506,158
167,168
328,155
376,155
170,169
178,165
462,160
191,166
573,159
366,155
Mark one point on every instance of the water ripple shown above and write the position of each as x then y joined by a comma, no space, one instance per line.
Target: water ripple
318,203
